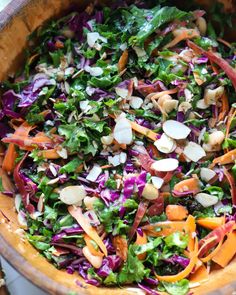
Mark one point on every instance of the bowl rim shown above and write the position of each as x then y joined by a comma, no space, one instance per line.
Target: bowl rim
13,257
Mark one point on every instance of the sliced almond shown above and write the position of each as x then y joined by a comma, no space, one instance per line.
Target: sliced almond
22,220
150,192
211,96
165,165
194,151
18,201
73,195
89,201
107,140
165,144
206,200
216,138
136,102
207,174
175,129
94,173
123,131
96,261
157,181
202,105
122,92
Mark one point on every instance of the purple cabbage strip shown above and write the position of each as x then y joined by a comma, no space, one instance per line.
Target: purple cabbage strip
30,93
9,99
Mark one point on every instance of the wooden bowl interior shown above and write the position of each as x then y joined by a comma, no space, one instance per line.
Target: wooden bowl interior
17,21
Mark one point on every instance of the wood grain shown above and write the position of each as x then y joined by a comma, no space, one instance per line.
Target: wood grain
16,22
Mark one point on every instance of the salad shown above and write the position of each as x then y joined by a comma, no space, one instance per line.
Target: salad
119,135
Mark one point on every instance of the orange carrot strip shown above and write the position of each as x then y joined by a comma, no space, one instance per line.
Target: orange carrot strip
9,159
6,181
165,194
190,229
164,228
76,212
231,116
123,60
89,243
143,130
211,222
225,107
176,212
184,35
49,154
227,158
191,184
227,251
159,94
59,251
141,240
200,275
121,246
79,168
224,42
106,166
184,273
230,179
213,253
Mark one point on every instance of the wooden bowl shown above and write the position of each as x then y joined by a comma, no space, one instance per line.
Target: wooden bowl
17,21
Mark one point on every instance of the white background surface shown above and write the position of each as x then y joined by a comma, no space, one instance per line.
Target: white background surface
3,3
16,284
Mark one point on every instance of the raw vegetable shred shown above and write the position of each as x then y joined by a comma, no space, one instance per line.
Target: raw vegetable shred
119,137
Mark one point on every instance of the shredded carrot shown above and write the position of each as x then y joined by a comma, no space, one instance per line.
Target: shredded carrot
224,42
197,78
164,228
227,251
154,151
141,240
227,158
214,68
185,34
232,184
49,154
121,246
213,253
231,116
123,60
76,212
106,166
6,182
176,212
32,58
184,273
157,95
10,158
144,131
190,229
165,194
59,44
79,168
200,275
58,251
224,108
90,245
211,222
191,184
214,238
